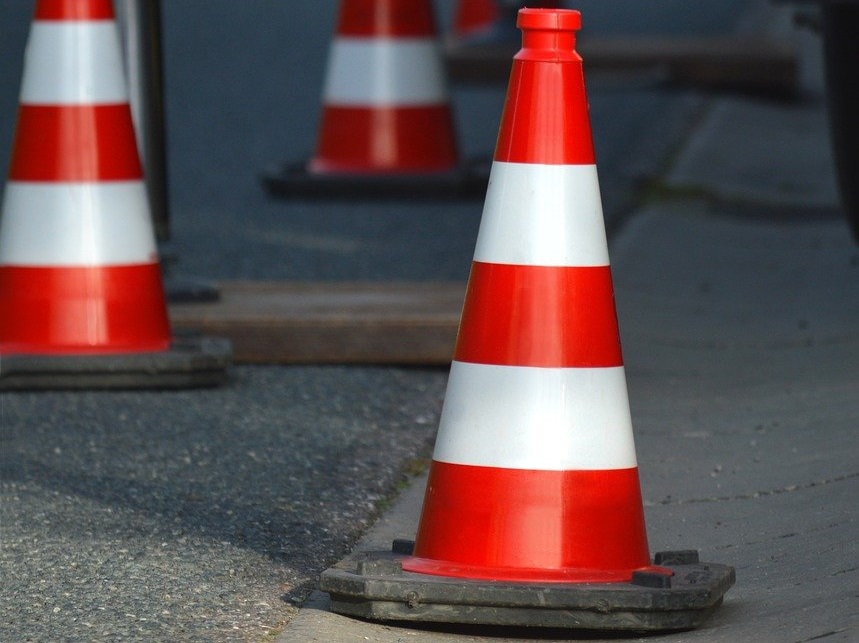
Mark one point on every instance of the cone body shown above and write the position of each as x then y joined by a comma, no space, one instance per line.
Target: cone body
385,103
79,269
474,16
534,475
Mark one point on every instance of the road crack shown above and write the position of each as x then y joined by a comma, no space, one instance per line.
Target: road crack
756,494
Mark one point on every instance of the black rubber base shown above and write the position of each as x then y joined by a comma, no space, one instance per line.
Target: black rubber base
189,290
468,181
181,288
191,362
372,585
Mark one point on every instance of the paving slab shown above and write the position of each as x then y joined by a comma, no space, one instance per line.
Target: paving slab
737,155
765,152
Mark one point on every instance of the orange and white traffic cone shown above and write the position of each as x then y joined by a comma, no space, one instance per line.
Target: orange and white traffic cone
79,271
385,102
534,486
534,474
387,126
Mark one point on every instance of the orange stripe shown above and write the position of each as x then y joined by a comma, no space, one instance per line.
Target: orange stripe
75,143
525,525
80,310
386,139
517,315
545,118
386,18
74,10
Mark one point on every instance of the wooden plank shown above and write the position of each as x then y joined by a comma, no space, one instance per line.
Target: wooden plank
312,322
748,63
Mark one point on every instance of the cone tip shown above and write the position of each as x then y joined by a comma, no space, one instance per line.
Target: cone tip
550,19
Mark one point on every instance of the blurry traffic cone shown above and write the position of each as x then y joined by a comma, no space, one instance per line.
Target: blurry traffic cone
534,487
79,273
474,17
484,37
491,20
385,107
386,127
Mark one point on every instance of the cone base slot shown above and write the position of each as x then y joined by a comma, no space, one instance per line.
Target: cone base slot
373,585
467,181
180,289
191,362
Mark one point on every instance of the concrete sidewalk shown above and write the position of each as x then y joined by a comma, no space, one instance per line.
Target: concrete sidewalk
745,407
739,314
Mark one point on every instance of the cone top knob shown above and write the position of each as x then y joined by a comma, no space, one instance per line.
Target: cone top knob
549,19
549,34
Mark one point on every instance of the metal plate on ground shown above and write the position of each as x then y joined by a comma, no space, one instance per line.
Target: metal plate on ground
340,322
467,181
372,585
747,64
191,362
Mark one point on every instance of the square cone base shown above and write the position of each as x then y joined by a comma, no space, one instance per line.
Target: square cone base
191,362
468,181
373,585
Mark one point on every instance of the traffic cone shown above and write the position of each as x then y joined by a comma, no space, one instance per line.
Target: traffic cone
533,500
80,284
534,475
386,127
474,17
491,20
484,37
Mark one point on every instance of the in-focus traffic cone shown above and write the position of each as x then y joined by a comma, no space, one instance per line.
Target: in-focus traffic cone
387,127
534,474
533,512
80,286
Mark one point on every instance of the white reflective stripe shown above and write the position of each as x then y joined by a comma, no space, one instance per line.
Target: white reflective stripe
550,419
384,72
542,215
73,63
76,224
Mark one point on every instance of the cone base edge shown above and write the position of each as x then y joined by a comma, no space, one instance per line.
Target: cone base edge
563,575
373,586
469,180
192,361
